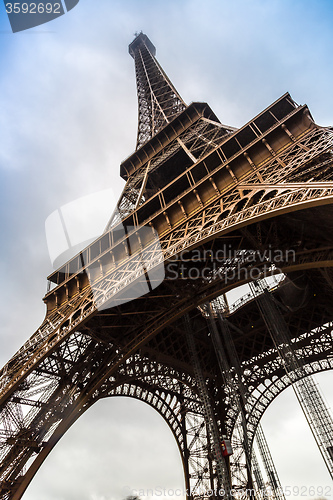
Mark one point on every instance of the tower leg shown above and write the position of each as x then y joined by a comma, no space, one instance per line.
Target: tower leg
236,389
214,437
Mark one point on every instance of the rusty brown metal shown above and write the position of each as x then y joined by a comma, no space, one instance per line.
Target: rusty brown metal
202,187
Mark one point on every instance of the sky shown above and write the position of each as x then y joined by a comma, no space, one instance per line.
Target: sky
68,118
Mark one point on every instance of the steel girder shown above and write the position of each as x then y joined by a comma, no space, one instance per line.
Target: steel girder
55,393
196,184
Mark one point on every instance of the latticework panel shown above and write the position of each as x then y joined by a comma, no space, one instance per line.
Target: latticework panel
159,102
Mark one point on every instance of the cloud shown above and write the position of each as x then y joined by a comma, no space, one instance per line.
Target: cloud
118,447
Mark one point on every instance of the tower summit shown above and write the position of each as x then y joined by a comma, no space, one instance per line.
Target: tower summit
159,101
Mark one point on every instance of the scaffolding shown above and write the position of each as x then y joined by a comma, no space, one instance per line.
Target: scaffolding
305,388
274,484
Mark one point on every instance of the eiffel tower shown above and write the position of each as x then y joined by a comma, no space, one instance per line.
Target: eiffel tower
143,311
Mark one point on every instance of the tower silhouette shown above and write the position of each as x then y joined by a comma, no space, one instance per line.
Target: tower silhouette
142,312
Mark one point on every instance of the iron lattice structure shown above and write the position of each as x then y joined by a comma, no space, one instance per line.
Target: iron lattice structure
159,101
228,206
